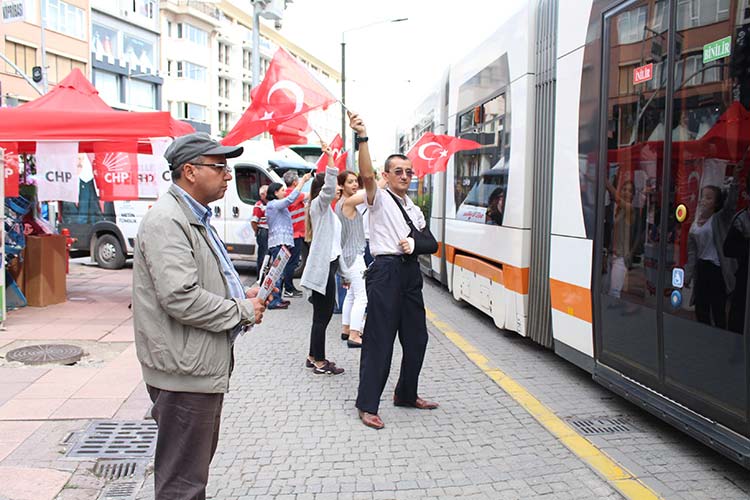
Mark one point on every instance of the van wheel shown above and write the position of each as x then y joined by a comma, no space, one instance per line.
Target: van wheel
108,252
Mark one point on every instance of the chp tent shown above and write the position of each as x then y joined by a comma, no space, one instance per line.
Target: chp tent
73,111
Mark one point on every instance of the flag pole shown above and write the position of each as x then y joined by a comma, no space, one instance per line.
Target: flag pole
344,106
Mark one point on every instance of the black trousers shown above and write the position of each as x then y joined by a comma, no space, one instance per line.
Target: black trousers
710,294
394,304
186,441
322,313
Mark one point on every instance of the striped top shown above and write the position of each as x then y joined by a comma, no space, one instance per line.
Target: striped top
280,230
352,235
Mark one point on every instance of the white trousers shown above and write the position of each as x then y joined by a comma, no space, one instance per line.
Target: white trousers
355,304
617,272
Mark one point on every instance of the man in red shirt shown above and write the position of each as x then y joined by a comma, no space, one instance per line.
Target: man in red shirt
297,210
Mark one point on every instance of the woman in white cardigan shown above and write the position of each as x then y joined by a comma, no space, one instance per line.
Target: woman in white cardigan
324,232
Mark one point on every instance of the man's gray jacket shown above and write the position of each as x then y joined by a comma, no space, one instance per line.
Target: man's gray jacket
182,310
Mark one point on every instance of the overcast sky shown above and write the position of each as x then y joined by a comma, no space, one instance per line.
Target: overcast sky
391,67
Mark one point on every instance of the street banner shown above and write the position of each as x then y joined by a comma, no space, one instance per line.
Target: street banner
56,166
12,179
116,174
152,169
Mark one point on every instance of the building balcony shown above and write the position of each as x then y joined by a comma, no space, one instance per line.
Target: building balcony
197,9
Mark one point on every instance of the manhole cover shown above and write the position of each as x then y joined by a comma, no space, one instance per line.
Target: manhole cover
63,354
604,425
116,439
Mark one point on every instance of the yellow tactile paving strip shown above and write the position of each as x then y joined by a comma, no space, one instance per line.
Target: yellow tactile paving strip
619,477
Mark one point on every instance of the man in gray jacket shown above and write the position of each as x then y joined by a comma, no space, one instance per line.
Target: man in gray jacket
189,306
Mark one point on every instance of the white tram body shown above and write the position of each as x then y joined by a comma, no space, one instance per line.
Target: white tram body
561,227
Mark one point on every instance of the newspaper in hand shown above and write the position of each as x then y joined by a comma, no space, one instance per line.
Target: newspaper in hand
274,273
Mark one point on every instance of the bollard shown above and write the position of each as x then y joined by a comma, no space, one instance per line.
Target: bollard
68,245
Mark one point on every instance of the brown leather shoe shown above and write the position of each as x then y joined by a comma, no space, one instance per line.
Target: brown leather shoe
371,420
419,403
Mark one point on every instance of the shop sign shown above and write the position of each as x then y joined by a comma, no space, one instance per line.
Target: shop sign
717,50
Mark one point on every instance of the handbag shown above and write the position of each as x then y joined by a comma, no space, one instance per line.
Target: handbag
424,242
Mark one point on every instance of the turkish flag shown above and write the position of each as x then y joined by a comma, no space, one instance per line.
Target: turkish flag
116,174
291,132
431,152
10,159
288,90
339,156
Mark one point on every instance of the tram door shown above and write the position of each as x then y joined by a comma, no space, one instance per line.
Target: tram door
674,226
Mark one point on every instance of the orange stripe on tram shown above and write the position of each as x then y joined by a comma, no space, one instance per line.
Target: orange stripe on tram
480,267
571,299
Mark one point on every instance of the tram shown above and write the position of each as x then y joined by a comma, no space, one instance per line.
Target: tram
605,214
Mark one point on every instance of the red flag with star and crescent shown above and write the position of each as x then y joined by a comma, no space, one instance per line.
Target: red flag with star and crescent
287,91
339,156
431,152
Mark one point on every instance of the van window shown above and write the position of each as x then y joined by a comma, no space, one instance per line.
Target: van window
249,180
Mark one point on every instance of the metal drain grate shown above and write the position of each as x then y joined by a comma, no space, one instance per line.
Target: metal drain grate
118,469
116,439
125,490
63,354
604,425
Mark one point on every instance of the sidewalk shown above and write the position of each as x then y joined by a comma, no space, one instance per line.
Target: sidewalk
41,405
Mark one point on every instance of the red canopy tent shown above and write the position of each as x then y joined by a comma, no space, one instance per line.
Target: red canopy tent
73,111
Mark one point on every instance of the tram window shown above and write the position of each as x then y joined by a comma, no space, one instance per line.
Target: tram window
481,175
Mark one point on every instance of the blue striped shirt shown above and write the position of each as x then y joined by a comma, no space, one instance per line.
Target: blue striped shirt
203,214
280,230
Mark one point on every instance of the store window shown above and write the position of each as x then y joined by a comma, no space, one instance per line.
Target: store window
137,52
108,85
104,42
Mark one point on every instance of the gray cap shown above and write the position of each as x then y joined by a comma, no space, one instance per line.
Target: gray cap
191,146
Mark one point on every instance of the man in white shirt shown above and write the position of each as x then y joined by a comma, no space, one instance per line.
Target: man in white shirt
394,287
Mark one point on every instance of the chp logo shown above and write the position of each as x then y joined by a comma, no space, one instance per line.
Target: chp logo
11,164
115,168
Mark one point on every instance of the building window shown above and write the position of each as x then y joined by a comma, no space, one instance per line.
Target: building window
247,59
140,94
22,56
223,121
145,8
108,85
58,67
191,111
223,53
169,29
192,71
224,87
104,42
630,25
693,13
190,32
246,87
66,18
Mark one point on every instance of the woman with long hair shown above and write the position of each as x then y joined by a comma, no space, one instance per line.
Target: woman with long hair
280,232
319,276
353,255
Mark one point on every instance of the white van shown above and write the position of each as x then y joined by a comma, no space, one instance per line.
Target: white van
107,230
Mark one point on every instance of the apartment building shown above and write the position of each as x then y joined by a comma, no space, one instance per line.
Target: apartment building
125,45
207,63
66,43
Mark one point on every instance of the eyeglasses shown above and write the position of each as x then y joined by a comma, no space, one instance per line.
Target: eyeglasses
400,171
218,166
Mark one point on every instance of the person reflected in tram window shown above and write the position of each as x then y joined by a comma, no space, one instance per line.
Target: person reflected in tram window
495,208
737,246
625,236
712,270
682,132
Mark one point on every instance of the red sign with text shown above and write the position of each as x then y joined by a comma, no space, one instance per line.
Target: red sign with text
643,73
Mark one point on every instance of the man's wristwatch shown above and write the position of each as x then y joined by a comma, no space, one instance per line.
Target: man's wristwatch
361,138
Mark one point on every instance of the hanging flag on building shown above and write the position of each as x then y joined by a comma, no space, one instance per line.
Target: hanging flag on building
57,171
116,174
288,90
339,156
431,152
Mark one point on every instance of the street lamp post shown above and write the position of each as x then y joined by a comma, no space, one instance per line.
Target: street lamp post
343,75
